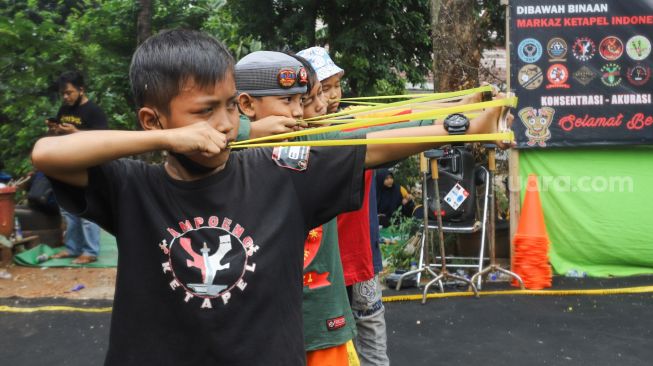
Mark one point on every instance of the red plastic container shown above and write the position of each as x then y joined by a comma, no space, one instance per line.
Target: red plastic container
7,206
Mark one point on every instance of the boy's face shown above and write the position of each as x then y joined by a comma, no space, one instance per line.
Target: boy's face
315,102
332,91
278,105
216,105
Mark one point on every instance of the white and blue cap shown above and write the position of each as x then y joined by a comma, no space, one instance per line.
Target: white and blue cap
265,73
321,62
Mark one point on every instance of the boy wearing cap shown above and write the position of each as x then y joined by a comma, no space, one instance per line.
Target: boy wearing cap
257,104
359,238
328,73
359,230
328,321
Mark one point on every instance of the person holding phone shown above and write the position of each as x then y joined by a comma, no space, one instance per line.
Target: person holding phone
77,113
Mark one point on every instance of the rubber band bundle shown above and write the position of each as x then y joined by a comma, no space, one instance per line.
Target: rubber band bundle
342,121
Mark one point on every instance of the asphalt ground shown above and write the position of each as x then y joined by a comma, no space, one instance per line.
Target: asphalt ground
570,327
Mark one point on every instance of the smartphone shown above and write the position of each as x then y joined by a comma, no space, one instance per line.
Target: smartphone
53,120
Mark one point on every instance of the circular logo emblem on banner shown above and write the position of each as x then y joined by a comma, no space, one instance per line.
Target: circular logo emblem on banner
529,50
530,77
584,75
557,76
611,48
639,74
286,78
583,49
638,48
557,49
611,74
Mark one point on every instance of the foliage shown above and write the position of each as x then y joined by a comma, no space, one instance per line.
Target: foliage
407,173
220,24
401,248
378,49
41,39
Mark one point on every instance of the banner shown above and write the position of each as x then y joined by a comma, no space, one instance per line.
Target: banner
582,72
597,207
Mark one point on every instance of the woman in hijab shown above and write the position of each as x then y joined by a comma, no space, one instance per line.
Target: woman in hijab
389,198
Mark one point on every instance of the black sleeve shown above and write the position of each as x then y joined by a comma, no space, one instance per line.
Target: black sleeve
97,119
334,182
59,113
408,208
96,201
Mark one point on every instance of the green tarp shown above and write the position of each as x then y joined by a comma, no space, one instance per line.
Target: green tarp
108,255
598,207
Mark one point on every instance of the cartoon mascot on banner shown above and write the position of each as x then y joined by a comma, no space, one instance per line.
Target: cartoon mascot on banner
537,122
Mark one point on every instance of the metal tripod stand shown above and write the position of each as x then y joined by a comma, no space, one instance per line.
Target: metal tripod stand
424,261
493,267
444,273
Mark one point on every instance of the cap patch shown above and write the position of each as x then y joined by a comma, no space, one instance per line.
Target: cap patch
302,78
286,78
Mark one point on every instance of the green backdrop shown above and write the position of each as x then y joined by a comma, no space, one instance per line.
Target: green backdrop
598,207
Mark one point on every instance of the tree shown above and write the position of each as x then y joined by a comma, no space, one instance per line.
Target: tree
381,49
42,38
460,37
144,22
378,49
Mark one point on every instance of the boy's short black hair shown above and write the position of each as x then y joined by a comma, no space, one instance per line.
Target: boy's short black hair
164,62
312,75
75,78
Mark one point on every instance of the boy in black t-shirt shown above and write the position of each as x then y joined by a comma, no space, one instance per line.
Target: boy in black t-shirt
211,242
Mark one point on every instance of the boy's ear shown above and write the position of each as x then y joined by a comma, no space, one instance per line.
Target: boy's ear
148,119
246,104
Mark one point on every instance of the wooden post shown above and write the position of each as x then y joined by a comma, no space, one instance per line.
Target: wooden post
514,195
514,187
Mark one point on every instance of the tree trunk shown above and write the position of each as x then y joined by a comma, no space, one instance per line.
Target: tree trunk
144,21
456,49
435,16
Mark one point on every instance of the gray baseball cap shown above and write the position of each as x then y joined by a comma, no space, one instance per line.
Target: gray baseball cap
264,73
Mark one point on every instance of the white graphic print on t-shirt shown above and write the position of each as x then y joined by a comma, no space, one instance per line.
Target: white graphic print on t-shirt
208,259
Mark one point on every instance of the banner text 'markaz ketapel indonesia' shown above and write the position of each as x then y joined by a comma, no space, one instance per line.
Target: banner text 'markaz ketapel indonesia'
575,21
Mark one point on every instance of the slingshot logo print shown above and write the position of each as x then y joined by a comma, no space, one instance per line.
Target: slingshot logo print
208,262
639,74
583,49
638,48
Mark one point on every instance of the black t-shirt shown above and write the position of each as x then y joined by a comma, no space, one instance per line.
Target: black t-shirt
87,116
210,271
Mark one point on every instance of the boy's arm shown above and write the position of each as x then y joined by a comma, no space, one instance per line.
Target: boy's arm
378,154
358,133
268,126
67,158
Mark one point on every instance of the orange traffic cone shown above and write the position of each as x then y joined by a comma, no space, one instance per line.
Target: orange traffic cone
531,242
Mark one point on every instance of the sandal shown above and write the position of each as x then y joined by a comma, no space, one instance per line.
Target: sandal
84,259
62,254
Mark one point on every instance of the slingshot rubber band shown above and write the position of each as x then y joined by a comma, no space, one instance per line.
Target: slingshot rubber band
368,122
503,136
